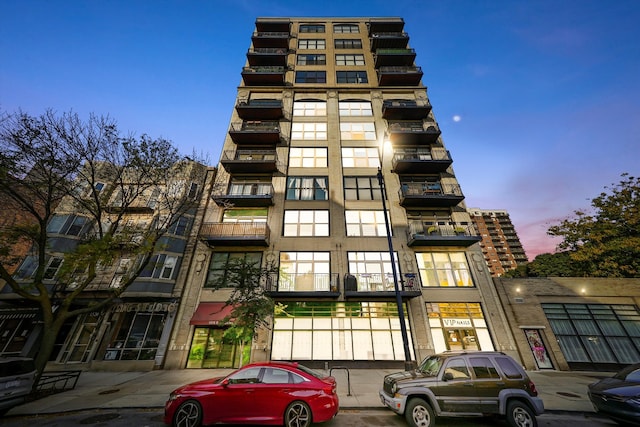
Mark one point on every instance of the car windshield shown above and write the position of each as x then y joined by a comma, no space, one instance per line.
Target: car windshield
311,372
430,366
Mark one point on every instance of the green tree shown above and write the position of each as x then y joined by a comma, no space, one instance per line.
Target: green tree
605,241
87,168
253,308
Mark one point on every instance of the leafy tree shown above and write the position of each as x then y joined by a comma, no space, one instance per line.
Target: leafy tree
60,163
605,242
252,306
548,265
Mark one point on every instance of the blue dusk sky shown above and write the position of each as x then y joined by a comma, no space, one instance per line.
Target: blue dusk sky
538,101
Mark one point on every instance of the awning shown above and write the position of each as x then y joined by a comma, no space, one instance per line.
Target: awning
210,313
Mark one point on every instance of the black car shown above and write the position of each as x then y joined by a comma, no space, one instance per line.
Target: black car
618,397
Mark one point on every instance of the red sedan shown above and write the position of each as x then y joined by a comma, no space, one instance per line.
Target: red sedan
274,393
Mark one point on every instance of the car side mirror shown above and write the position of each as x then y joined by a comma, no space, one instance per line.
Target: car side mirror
225,382
448,376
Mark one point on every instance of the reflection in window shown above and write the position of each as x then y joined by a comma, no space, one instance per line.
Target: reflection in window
307,188
307,157
360,157
306,223
444,269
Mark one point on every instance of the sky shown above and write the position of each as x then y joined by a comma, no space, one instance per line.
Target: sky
538,101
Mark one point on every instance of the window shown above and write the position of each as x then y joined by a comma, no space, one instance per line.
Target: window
304,271
250,186
51,270
138,336
70,225
357,131
168,267
362,188
351,77
350,59
307,157
483,368
348,44
360,157
249,216
311,44
457,369
309,108
180,227
355,109
312,28
161,267
221,275
277,376
306,223
346,28
312,59
193,190
309,131
444,269
365,223
372,270
311,77
307,188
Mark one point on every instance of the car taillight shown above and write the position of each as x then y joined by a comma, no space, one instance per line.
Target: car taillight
532,388
330,388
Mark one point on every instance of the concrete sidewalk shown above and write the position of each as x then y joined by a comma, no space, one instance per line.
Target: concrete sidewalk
560,390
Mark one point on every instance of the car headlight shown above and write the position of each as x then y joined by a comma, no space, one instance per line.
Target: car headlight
394,388
173,396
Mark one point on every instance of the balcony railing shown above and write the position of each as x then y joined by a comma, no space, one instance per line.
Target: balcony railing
405,110
275,39
390,39
246,195
394,57
235,234
427,234
260,109
430,194
268,56
264,75
437,160
255,132
413,133
399,76
380,284
249,161
307,282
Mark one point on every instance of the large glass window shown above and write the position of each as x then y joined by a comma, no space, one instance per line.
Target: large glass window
312,28
309,131
218,273
350,131
210,348
360,157
365,223
351,77
71,225
355,109
310,108
311,76
362,188
338,331
346,28
348,44
162,266
311,44
258,215
306,223
307,188
350,59
373,270
458,326
312,59
307,157
444,269
137,336
304,271
250,186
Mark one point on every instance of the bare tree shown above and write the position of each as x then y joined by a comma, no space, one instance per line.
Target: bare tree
59,164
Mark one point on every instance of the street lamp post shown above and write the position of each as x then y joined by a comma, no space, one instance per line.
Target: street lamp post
408,363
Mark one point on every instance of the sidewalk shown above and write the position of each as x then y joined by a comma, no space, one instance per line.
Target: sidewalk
560,390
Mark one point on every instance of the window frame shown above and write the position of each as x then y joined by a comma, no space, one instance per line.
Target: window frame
307,185
349,59
312,44
306,223
306,160
352,77
311,76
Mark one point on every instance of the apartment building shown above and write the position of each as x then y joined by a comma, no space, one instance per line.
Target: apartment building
332,136
500,244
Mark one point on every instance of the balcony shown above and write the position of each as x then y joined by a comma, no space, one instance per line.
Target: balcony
394,57
255,132
284,285
246,195
249,161
399,76
235,234
377,25
260,109
376,285
426,234
264,75
278,39
405,109
402,133
388,40
268,56
432,194
438,160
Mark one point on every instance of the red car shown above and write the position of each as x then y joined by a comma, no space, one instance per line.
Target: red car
274,393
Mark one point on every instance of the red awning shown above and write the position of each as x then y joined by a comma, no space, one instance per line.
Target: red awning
210,313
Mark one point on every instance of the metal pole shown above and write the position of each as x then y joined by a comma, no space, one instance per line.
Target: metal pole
408,364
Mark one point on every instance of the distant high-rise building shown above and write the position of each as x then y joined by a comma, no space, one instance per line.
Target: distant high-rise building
500,243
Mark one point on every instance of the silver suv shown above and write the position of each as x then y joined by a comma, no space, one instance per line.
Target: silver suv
463,384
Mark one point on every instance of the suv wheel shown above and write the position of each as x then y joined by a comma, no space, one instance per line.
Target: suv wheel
419,413
520,415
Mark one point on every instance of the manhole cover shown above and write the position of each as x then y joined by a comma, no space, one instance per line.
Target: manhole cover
564,393
115,390
99,418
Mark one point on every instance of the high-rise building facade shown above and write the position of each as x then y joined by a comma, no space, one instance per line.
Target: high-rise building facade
500,243
324,104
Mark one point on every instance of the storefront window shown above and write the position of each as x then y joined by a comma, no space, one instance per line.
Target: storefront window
458,326
211,349
137,336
